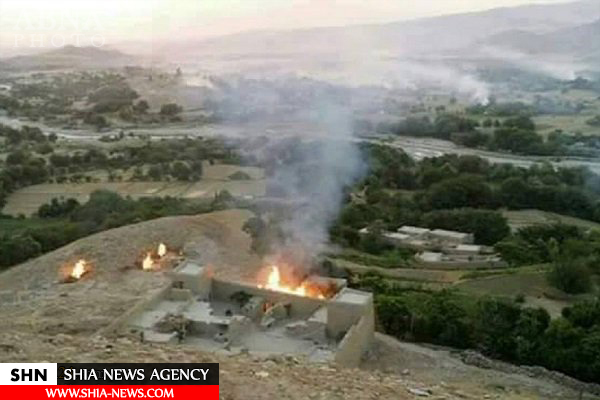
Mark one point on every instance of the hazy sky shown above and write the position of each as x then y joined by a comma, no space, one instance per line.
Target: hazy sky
36,22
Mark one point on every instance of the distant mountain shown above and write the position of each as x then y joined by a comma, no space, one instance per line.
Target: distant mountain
580,41
85,52
68,57
422,36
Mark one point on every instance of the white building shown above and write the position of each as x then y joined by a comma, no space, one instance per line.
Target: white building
452,236
415,231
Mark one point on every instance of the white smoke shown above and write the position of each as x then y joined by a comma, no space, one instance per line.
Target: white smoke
552,66
310,165
399,74
322,168
445,77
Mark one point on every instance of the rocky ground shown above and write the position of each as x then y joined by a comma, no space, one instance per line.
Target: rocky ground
43,319
33,297
251,378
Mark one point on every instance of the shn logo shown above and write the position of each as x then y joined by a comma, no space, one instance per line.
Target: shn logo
29,375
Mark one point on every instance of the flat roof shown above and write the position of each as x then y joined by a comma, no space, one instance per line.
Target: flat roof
396,235
189,268
413,229
430,256
353,296
443,232
468,247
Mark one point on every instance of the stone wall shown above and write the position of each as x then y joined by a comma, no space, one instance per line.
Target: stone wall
342,314
355,343
141,306
300,306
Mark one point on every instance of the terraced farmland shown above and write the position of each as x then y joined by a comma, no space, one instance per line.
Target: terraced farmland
26,201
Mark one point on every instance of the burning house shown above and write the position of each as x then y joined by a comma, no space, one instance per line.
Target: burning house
319,318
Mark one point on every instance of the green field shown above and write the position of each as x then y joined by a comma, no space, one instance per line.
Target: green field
16,225
522,218
567,123
216,178
26,201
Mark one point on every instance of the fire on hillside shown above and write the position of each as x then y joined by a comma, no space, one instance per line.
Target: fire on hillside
74,272
158,257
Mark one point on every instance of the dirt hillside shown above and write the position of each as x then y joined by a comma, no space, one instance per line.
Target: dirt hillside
34,299
43,319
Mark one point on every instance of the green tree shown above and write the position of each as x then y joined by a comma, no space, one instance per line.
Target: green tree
180,171
496,321
16,249
488,227
570,275
155,173
463,191
170,110
529,330
394,315
141,107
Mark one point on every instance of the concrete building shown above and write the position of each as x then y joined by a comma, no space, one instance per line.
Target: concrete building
415,232
429,257
469,250
440,248
395,238
232,317
452,237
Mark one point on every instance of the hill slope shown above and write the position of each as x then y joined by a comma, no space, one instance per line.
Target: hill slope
422,36
69,57
578,41
45,320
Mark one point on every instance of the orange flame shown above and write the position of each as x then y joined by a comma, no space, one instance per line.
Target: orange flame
148,263
274,283
79,269
162,250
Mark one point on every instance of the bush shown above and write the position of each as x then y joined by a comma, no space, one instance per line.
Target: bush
463,191
170,109
115,93
488,227
541,244
595,121
57,208
181,171
16,249
571,275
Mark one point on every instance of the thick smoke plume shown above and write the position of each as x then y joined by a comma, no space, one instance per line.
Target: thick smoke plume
315,176
309,163
307,122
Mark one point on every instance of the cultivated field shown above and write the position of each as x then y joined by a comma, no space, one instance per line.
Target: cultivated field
567,123
523,218
408,274
26,201
529,283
